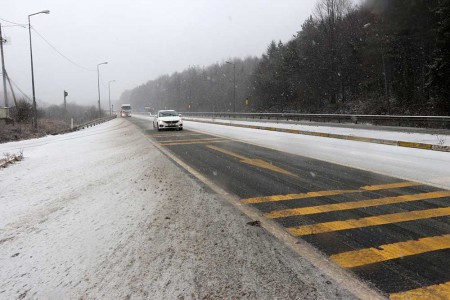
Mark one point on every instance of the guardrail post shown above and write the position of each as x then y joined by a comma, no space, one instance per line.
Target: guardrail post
414,121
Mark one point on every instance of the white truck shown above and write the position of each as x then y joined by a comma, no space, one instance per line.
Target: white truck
125,110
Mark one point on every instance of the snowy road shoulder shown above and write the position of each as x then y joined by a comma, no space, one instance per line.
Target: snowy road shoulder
101,213
411,137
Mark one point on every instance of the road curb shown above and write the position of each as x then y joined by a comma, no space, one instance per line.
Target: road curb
406,144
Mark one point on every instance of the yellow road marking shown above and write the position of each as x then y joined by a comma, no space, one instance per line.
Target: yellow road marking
386,252
191,142
254,162
175,134
227,152
369,221
354,204
328,193
432,292
390,186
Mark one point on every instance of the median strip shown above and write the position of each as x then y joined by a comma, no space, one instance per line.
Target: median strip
354,204
369,221
432,292
406,144
276,198
386,252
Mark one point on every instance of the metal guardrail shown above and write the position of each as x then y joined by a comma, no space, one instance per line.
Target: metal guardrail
389,120
93,123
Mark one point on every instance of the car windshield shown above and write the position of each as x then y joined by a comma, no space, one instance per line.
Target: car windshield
126,107
168,113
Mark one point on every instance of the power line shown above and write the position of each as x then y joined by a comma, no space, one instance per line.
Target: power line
18,25
18,88
13,22
59,52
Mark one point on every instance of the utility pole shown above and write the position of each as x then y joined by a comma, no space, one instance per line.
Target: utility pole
5,93
234,87
234,84
386,87
32,67
109,96
65,105
11,88
98,87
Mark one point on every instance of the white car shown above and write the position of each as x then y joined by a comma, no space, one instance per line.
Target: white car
168,119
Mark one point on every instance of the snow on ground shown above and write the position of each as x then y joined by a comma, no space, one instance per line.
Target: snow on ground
100,213
435,139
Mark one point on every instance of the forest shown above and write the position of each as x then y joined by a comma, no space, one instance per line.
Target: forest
378,57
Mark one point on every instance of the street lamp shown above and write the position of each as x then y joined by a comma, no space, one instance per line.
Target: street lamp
109,96
234,84
32,69
98,87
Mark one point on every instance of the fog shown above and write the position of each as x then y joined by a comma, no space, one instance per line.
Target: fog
140,40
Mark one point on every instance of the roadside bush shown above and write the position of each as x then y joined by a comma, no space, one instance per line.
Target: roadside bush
24,111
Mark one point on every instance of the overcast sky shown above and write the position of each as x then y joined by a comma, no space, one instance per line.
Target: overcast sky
139,39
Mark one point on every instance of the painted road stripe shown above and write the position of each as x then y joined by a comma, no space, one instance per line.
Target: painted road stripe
369,221
176,134
191,142
432,292
354,204
254,162
227,152
328,193
386,252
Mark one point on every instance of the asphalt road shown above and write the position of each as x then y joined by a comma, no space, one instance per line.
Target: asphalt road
392,233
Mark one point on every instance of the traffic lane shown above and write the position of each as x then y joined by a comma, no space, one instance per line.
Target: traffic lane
309,175
174,136
415,164
243,180
225,164
422,270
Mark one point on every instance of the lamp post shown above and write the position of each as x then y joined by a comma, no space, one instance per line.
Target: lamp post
234,84
109,96
98,87
32,68
5,92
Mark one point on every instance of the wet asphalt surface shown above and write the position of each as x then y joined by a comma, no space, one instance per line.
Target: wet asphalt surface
392,233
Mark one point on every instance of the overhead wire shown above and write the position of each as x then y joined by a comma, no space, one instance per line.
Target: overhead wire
18,25
59,52
13,22
19,89
51,46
